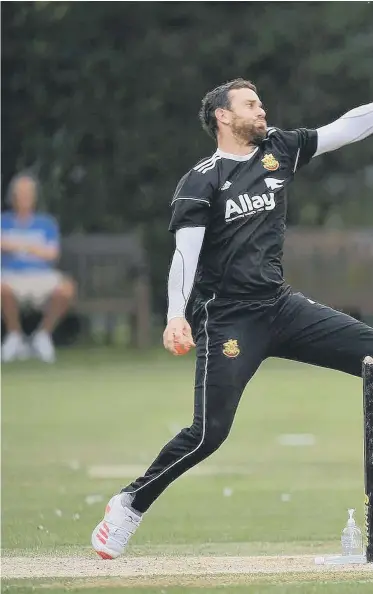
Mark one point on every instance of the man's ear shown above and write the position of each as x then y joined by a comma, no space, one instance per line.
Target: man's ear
222,115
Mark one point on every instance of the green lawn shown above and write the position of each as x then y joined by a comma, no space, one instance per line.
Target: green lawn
110,407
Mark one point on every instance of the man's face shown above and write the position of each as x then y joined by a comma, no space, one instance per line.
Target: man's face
24,195
246,116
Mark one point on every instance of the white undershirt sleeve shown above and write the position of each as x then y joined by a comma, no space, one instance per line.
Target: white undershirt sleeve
183,269
355,125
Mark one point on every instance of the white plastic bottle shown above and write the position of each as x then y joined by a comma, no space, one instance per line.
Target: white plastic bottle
352,540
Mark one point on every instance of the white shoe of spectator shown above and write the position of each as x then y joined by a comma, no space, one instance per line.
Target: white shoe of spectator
43,346
12,347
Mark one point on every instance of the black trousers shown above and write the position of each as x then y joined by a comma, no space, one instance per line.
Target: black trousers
232,339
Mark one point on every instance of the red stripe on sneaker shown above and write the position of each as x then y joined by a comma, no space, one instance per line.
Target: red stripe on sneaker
107,509
101,539
106,526
103,533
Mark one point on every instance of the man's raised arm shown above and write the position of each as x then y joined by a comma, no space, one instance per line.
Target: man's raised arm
354,125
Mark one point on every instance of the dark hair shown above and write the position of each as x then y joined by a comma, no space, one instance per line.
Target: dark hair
216,98
28,174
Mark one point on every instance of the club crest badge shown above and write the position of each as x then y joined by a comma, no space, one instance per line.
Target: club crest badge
231,349
270,162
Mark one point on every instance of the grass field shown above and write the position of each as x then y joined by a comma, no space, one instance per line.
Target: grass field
253,519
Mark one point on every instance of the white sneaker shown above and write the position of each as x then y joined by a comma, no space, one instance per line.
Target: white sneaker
43,346
12,347
111,535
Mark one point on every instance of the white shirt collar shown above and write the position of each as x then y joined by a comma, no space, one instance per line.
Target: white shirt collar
236,157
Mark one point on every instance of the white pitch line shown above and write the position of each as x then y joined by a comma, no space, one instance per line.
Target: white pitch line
296,439
134,470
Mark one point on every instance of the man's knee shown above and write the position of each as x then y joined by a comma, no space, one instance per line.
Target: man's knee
351,360
358,350
214,439
6,291
208,437
66,289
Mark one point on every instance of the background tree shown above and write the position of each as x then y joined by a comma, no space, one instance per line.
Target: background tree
102,100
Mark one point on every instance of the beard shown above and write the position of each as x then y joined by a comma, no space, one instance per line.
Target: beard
247,132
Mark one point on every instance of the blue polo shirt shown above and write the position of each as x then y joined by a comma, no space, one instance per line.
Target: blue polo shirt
38,229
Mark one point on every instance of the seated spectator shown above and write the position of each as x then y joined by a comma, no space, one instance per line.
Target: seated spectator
30,247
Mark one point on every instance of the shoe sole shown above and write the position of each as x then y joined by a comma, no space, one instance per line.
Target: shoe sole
104,556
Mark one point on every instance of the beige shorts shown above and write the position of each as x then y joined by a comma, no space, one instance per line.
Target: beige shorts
32,288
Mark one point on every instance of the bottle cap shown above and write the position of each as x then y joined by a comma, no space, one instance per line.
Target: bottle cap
351,521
